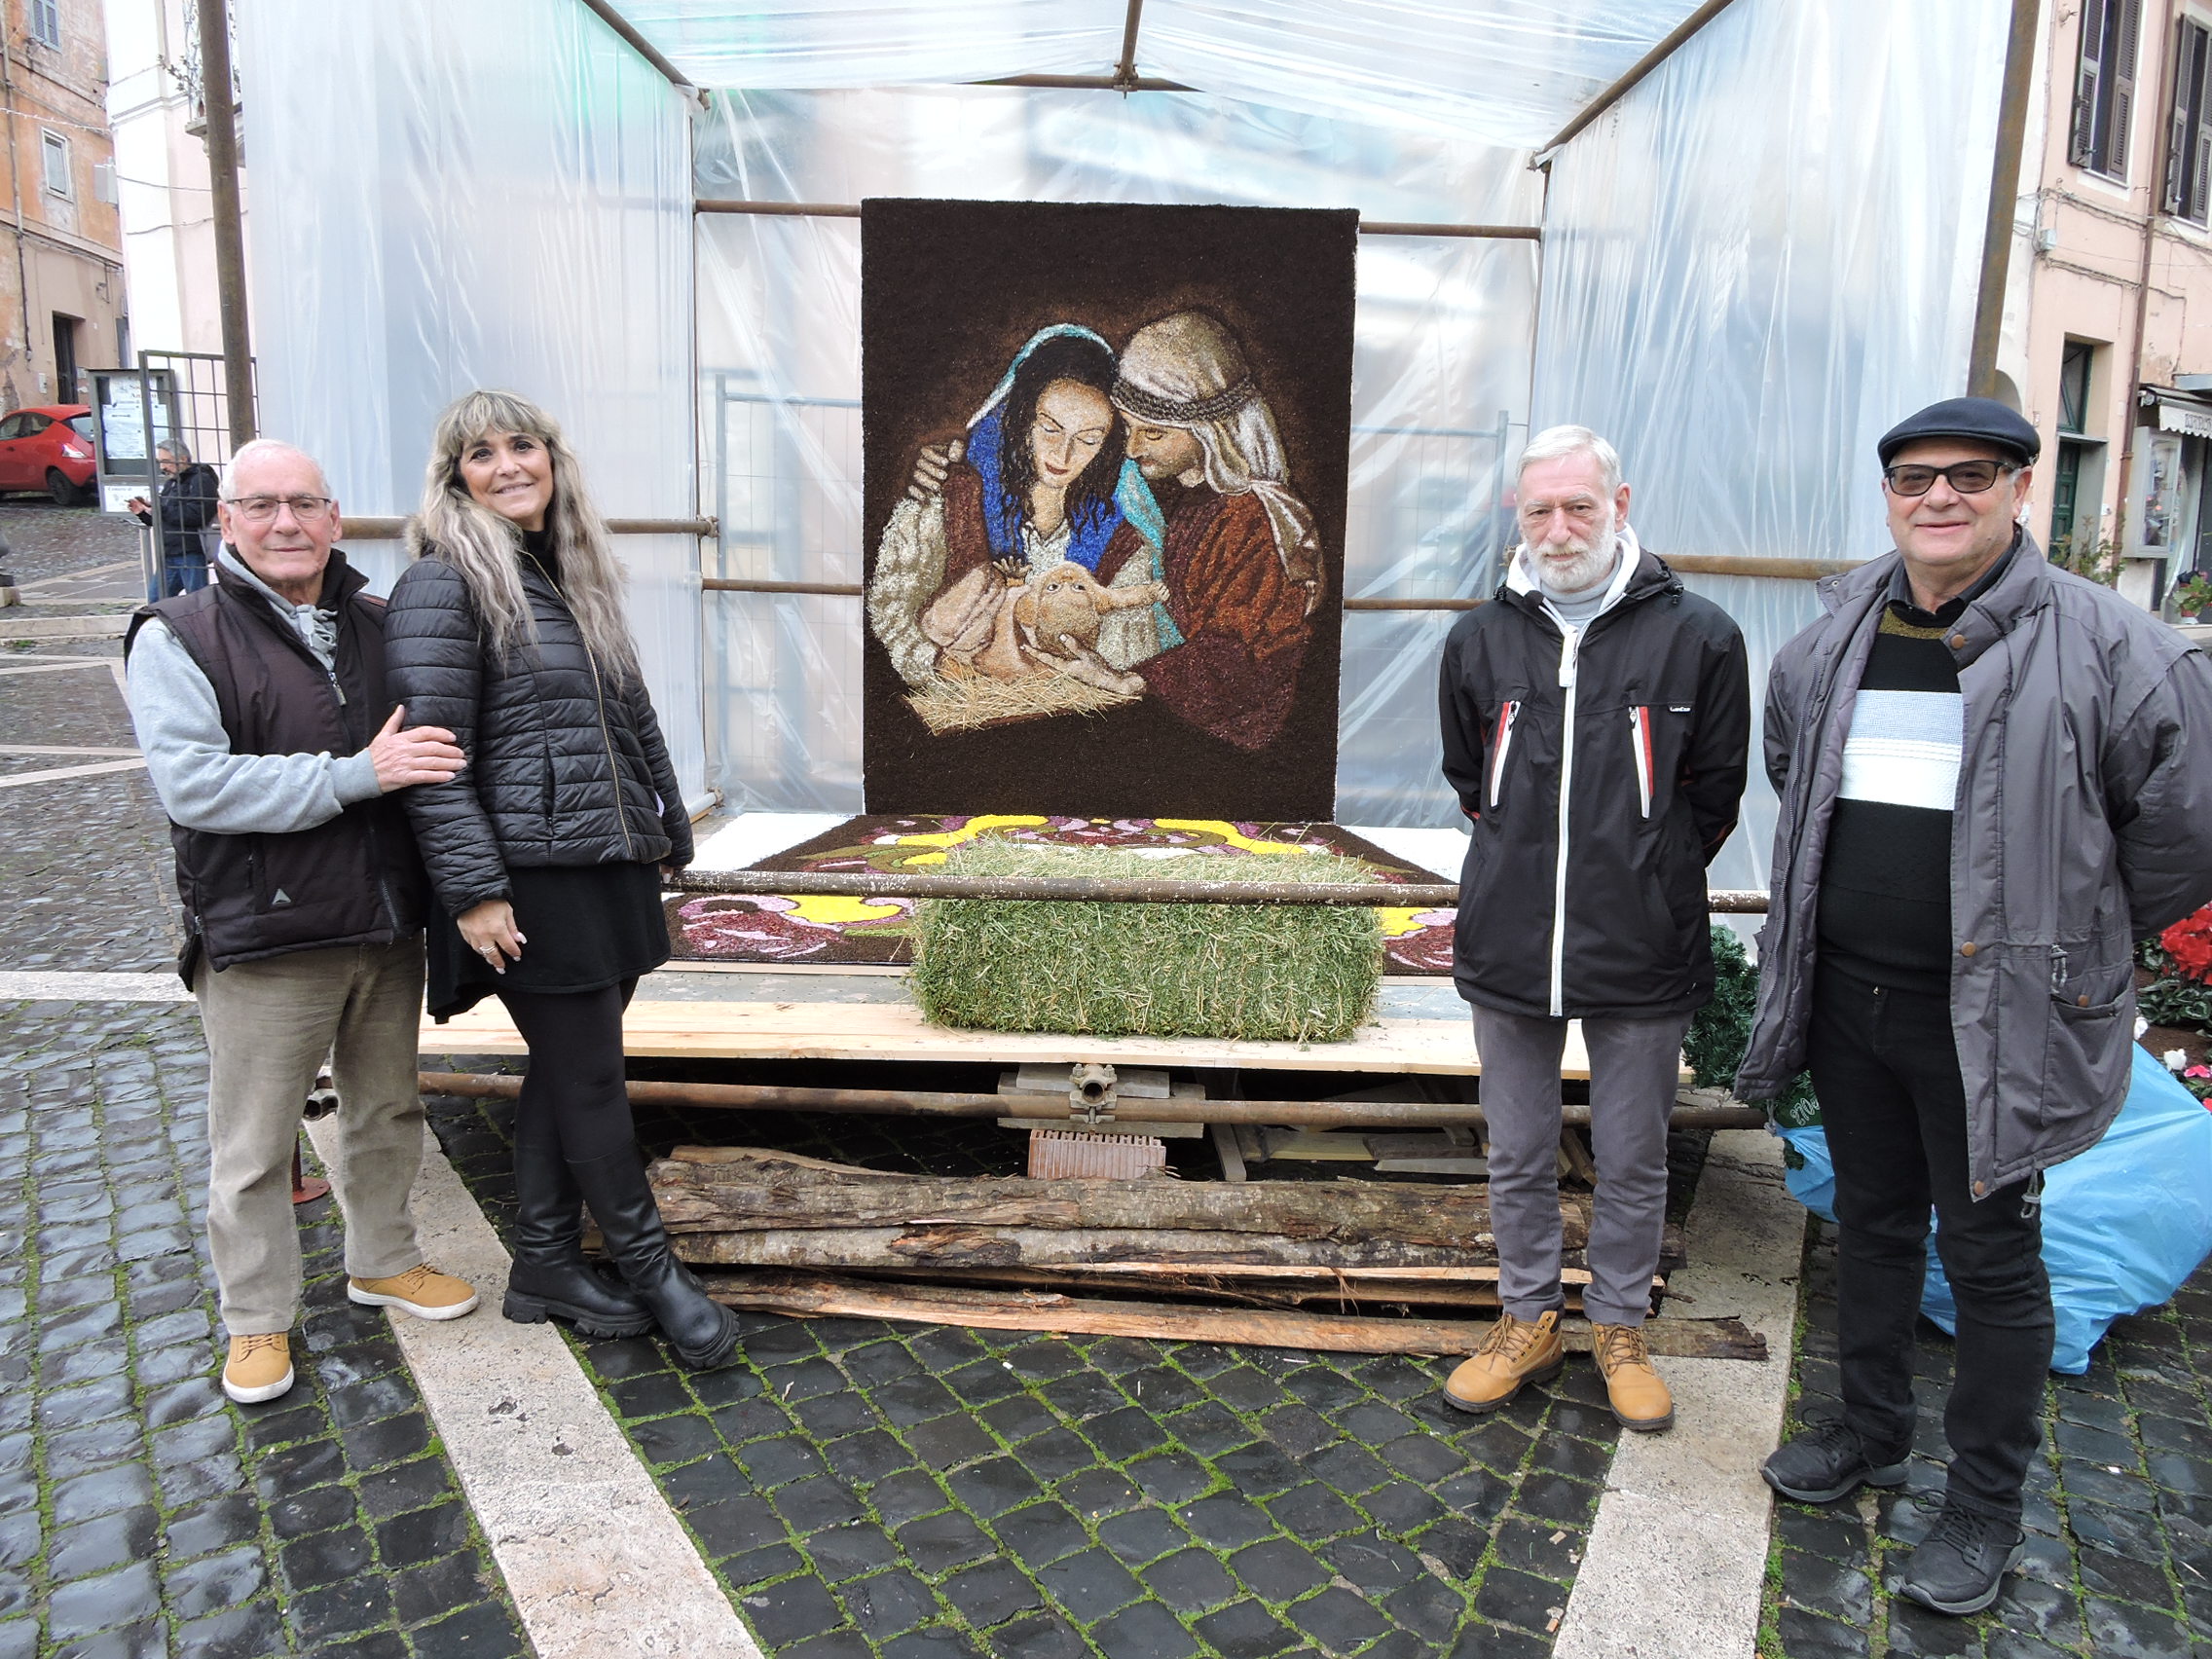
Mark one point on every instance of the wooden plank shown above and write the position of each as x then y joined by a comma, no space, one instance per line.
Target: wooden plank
1224,1148
819,1294
897,1031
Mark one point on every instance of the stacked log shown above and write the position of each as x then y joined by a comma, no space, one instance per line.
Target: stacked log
1350,1245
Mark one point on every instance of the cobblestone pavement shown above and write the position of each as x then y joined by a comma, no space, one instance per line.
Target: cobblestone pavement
46,542
141,1513
867,1488
2118,1511
85,868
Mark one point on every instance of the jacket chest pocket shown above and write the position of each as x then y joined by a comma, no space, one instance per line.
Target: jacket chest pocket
1500,751
1657,739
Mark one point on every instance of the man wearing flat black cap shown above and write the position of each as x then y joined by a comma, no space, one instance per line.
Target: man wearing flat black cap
1994,777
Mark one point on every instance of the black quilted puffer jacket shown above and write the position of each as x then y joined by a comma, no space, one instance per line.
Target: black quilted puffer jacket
565,765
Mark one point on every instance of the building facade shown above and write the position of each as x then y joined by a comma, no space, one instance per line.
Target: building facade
168,236
62,309
2107,338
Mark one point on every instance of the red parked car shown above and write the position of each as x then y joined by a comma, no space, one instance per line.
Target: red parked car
48,448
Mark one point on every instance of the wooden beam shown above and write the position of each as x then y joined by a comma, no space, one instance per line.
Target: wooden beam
821,1296
1687,564
2004,196
728,1188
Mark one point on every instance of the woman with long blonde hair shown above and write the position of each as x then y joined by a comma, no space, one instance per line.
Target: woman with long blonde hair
508,629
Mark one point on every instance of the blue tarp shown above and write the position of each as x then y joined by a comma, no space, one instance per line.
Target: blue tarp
2122,1225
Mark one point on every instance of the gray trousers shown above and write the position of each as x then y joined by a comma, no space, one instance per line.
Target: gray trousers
269,1024
1632,1078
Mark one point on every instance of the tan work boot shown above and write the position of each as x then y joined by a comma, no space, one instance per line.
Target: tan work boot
1516,1351
421,1290
1632,1385
260,1368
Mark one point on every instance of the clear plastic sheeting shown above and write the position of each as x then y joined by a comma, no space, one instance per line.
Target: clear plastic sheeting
1441,367
1507,72
1764,257
1755,264
491,195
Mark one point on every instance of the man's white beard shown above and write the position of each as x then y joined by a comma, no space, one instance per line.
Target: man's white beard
1592,563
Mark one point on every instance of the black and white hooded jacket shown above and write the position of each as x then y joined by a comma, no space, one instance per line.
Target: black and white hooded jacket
1601,767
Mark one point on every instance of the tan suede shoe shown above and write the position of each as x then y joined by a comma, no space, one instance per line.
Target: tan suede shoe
1632,1385
260,1368
1516,1351
421,1290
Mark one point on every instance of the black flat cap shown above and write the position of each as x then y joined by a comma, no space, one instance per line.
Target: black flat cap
1983,420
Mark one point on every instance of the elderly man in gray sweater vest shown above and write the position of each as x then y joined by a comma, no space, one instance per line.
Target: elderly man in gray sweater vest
259,703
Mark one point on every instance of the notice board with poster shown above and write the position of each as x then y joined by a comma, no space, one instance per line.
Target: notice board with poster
1105,451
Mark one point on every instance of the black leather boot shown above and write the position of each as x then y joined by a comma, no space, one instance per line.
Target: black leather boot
702,1331
550,1277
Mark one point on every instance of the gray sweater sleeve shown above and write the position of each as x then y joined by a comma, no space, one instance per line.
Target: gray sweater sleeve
202,784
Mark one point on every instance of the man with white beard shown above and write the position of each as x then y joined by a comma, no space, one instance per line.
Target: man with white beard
1596,720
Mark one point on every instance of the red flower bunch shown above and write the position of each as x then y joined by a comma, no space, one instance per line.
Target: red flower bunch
2188,942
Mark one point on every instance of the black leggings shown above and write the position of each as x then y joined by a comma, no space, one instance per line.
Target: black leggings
575,1066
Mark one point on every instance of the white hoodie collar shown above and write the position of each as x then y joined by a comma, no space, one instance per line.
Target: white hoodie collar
1630,553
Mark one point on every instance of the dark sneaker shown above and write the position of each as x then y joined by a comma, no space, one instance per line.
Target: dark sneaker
1825,1462
1957,1566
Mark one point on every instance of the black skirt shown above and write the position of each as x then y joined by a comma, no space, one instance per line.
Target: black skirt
584,927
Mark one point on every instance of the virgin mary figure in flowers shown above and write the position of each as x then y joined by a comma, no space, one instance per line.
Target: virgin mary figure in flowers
1029,549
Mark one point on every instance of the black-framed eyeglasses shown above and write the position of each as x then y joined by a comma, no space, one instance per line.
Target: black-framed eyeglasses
1967,477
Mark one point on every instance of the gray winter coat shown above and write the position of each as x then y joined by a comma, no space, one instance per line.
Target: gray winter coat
2083,822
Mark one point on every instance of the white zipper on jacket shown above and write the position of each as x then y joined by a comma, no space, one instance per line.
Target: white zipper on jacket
1506,716
1570,646
1639,738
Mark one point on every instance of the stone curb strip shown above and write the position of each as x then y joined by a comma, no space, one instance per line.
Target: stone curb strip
596,1560
1678,1551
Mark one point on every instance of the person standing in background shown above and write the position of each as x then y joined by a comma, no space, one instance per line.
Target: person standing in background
186,512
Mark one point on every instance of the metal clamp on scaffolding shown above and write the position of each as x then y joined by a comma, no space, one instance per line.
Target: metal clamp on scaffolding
1092,1094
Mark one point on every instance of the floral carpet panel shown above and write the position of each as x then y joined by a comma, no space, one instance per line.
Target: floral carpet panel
784,928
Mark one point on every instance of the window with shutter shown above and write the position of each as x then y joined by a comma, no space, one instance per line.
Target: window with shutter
2104,84
45,22
2122,73
2089,80
2188,161
2178,123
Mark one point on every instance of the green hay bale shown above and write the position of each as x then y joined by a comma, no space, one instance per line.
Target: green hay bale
1274,973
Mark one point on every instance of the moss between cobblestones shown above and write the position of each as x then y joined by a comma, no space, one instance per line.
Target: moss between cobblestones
2116,1507
919,1435
157,1275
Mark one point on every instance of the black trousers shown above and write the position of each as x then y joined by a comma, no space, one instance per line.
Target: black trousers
1887,1073
576,1075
